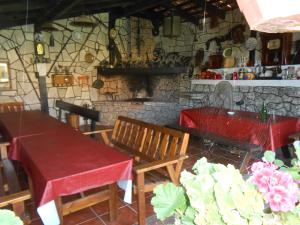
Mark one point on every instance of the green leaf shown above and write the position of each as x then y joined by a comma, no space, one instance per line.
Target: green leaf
168,199
278,162
8,217
269,156
294,171
189,217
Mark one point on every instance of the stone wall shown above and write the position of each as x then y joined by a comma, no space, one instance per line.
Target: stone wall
166,88
161,113
279,100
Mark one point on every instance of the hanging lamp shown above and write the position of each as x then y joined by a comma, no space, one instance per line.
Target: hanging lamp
48,27
83,21
271,16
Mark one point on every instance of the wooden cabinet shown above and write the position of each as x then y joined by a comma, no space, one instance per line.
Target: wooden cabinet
276,48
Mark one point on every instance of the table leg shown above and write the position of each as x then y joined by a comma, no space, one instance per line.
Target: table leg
59,208
113,201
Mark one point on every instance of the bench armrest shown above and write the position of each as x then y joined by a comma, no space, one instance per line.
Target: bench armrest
97,131
14,198
103,133
157,164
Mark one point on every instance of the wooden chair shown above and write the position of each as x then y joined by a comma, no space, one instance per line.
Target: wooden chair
11,107
158,151
10,190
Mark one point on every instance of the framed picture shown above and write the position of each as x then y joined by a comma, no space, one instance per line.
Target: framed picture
4,74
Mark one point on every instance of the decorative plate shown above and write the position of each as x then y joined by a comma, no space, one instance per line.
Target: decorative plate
251,43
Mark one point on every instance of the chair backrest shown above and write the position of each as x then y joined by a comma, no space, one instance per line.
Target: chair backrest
223,95
11,107
148,141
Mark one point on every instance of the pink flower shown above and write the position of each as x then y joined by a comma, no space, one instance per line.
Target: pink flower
278,187
280,199
281,178
262,179
258,166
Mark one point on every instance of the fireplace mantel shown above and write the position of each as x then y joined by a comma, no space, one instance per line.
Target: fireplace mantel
141,71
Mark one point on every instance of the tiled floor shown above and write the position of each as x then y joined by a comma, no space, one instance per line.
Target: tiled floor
127,214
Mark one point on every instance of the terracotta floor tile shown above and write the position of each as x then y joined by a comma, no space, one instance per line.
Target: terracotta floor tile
79,217
36,222
94,221
149,207
126,216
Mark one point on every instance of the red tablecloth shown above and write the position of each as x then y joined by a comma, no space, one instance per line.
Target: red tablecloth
242,126
16,125
67,162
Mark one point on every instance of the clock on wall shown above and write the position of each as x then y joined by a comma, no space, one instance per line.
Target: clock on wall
276,48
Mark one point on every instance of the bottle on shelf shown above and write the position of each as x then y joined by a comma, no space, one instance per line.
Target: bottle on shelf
264,113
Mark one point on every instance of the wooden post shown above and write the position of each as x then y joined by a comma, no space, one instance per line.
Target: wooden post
43,94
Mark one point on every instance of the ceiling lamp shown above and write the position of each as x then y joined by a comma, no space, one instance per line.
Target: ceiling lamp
83,21
272,16
48,27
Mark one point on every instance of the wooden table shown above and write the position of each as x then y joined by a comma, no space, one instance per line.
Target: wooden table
242,126
61,161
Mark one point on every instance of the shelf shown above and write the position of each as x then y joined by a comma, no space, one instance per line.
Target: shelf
141,71
257,83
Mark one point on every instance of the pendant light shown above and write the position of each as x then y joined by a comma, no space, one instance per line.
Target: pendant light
83,21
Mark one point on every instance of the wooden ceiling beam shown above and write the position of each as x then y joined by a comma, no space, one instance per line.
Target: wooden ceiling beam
142,6
212,10
59,10
13,6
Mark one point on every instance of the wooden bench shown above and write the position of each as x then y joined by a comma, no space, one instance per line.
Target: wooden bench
10,190
158,151
76,110
11,107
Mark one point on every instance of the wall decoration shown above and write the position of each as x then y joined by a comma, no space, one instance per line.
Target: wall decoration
4,72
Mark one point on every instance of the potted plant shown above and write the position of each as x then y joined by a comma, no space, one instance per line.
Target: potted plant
8,217
217,194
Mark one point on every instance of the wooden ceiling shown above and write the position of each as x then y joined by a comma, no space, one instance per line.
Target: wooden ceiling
13,13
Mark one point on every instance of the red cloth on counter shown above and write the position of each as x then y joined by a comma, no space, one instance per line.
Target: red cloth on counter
242,126
61,161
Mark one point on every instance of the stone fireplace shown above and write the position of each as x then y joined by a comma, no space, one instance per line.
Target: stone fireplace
152,99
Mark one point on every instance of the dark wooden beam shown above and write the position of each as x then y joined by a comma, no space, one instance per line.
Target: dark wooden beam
62,7
212,10
16,6
142,6
105,4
